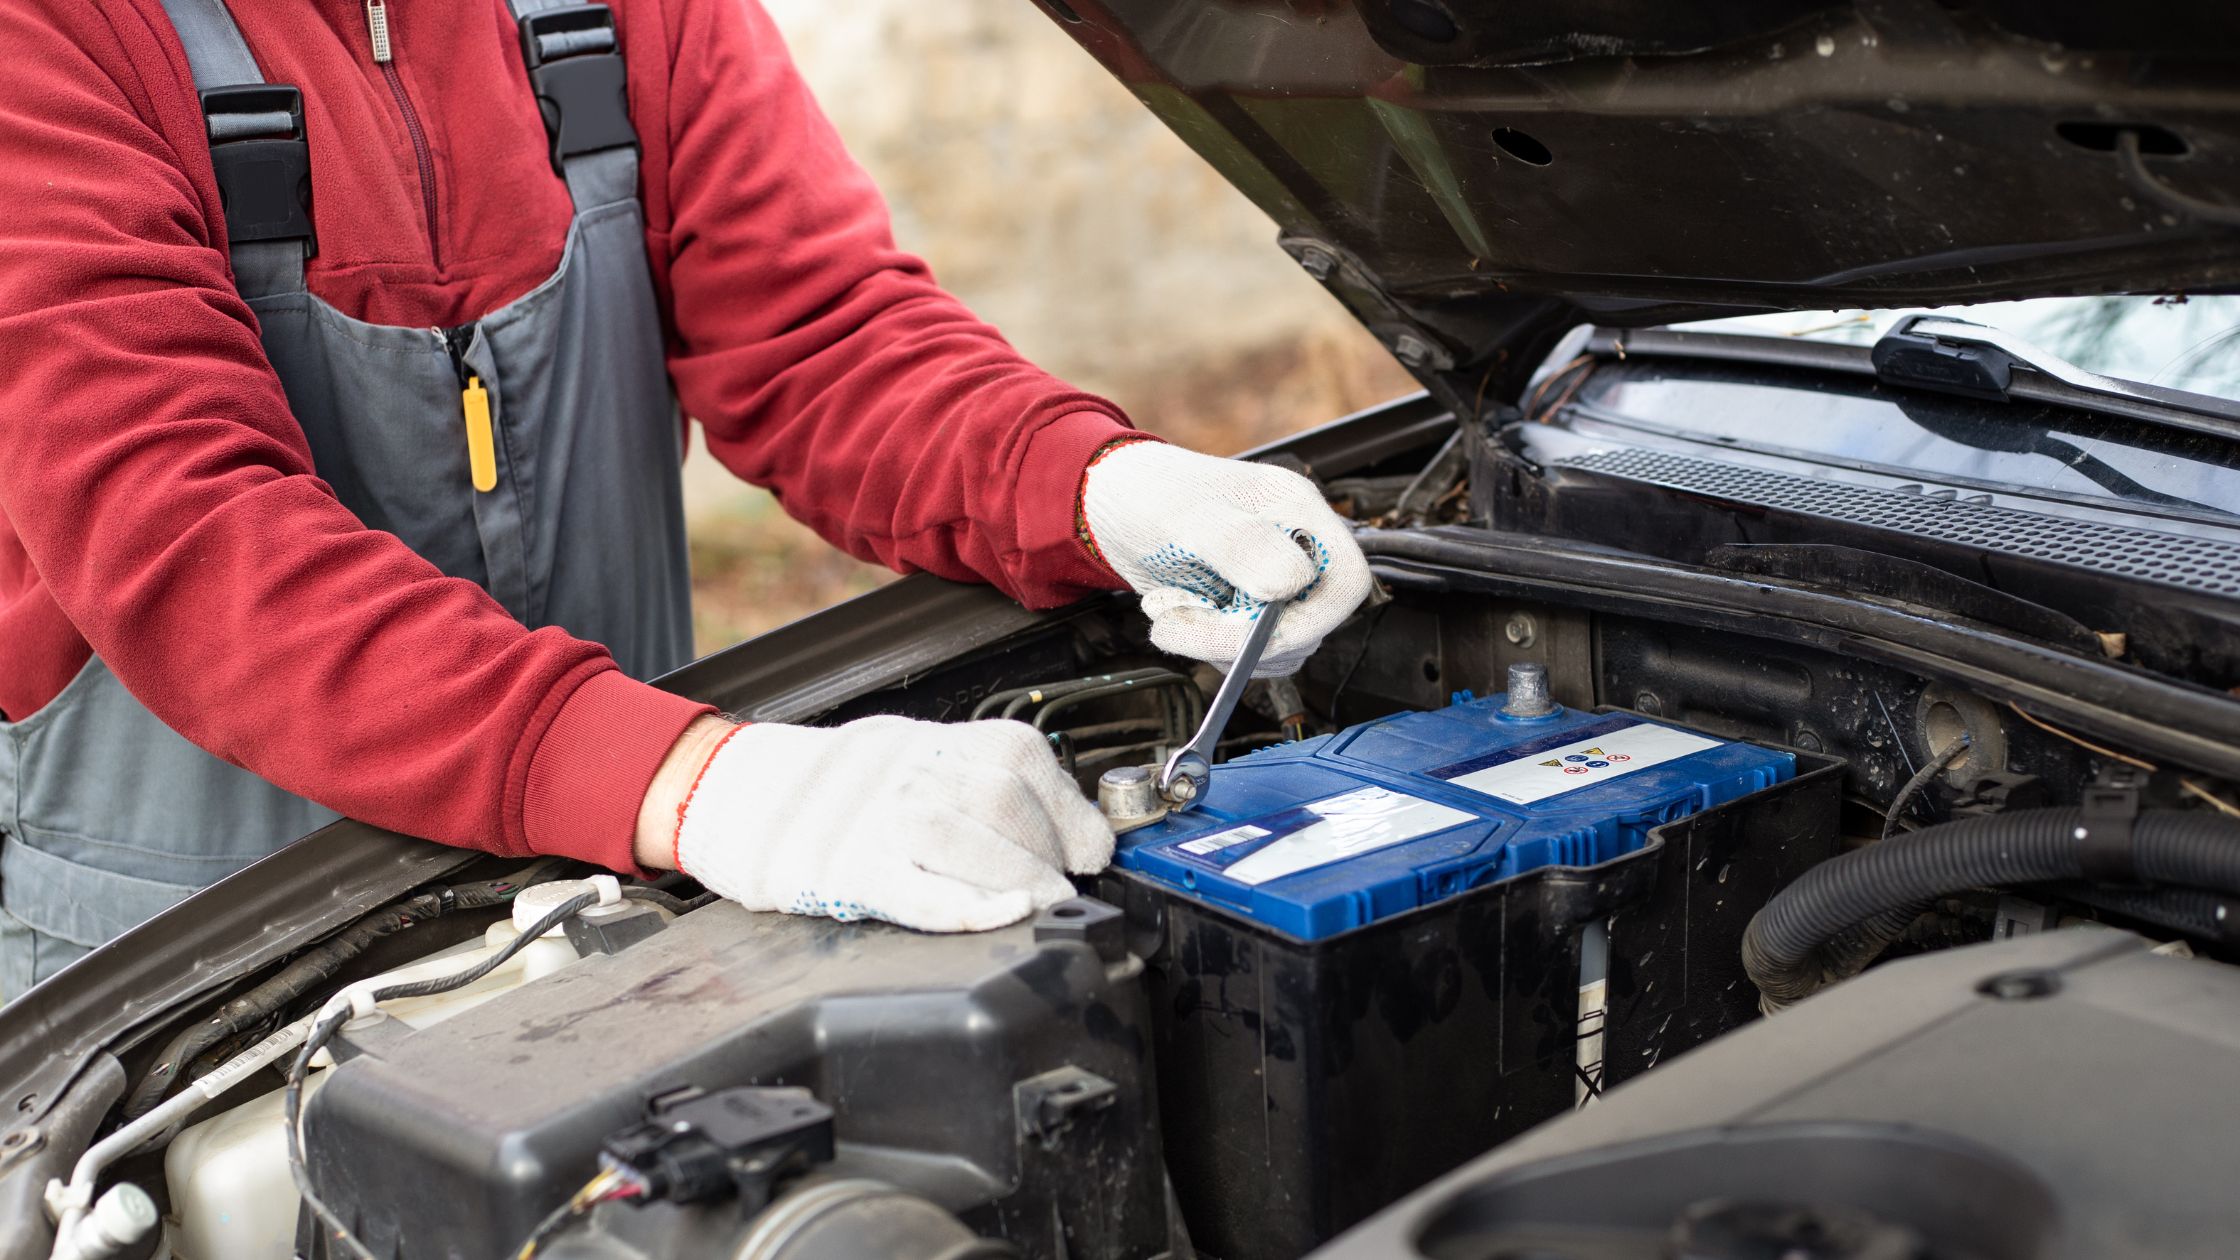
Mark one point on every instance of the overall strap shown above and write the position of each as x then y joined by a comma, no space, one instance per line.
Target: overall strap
213,43
257,148
575,68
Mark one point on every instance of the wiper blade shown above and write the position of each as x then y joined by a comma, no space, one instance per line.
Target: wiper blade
1955,356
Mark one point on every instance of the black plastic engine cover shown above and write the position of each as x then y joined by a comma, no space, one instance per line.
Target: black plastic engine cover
2063,1096
937,1055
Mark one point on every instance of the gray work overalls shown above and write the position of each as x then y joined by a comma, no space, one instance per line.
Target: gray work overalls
570,515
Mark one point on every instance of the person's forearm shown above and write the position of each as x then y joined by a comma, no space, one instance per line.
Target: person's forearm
883,413
672,786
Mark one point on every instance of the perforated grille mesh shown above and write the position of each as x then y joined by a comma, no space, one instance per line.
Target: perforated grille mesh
2195,563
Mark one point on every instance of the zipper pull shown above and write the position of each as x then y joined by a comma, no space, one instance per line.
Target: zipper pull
377,26
474,408
482,450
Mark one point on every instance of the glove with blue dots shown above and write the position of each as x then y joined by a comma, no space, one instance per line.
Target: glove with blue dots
1208,541
943,828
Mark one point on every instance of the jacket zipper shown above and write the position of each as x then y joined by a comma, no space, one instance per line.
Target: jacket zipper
474,408
377,27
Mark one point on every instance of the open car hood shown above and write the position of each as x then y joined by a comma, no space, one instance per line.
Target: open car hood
1464,173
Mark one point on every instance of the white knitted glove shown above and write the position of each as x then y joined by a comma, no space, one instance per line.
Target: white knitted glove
1207,541
943,828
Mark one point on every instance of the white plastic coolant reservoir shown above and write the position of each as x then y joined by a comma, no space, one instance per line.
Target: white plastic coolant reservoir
231,1196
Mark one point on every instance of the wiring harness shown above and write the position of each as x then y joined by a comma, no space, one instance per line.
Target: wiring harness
311,968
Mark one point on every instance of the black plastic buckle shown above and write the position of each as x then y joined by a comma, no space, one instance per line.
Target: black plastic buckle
2111,812
578,79
264,171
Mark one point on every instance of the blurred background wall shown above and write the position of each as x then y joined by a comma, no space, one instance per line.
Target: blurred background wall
1064,214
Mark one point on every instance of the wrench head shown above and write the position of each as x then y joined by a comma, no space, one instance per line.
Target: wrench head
1183,781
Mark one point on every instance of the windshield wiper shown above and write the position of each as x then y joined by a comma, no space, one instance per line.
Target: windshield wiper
1955,356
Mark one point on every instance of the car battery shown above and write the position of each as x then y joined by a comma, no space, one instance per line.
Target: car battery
1322,836
1345,919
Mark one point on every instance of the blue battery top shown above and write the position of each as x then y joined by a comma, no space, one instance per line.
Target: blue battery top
1327,834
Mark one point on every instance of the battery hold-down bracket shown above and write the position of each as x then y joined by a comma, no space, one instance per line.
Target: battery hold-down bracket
697,1146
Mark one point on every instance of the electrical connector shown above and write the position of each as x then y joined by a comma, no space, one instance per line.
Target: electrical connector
696,1146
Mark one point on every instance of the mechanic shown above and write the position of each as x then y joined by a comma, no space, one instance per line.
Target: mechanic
339,463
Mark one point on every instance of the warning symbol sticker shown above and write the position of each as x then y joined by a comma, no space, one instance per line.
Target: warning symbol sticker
1555,771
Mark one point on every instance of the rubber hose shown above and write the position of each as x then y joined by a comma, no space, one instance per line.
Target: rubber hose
1849,951
2185,911
1787,949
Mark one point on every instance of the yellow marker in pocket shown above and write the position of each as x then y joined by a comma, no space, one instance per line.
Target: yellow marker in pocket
482,449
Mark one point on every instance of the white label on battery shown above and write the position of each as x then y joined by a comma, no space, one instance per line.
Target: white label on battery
1220,840
1347,825
1552,773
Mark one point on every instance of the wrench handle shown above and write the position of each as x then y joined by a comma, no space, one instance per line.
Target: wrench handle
1183,779
1193,762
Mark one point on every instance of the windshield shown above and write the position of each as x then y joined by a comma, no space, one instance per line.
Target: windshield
2176,342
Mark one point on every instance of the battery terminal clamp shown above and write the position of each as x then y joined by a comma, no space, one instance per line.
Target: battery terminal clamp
734,1143
576,71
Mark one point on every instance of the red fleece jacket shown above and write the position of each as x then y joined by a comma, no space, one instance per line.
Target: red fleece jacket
158,505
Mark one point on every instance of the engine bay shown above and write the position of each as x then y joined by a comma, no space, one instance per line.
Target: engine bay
1371,955
1548,815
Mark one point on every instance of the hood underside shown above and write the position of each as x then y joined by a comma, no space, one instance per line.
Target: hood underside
1458,170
